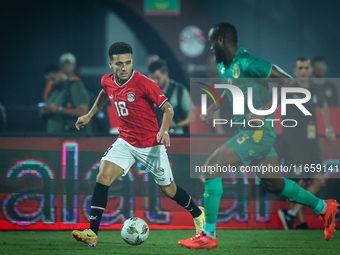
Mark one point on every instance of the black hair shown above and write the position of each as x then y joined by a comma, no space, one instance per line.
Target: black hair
301,59
119,48
225,30
158,65
318,59
52,68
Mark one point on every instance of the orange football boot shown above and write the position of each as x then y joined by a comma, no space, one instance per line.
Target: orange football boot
199,241
329,217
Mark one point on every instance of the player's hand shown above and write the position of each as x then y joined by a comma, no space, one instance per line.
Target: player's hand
163,137
206,118
330,134
82,121
252,116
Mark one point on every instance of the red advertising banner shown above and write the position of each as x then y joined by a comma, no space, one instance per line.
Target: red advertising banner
47,183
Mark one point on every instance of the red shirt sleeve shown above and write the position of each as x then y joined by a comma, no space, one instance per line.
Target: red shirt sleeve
102,82
153,92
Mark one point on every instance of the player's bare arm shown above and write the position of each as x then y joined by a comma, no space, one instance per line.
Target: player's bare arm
163,135
277,75
213,108
330,134
98,104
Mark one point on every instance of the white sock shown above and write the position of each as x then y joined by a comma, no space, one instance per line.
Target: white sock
324,208
211,235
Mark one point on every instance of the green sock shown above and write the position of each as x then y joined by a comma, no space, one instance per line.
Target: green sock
212,196
296,194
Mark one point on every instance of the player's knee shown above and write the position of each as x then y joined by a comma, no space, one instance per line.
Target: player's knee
273,189
215,158
168,193
104,178
273,186
169,190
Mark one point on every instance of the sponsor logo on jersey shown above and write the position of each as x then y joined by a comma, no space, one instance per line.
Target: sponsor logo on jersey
131,97
161,179
111,96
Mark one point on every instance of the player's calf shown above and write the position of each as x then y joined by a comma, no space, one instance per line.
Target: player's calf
183,199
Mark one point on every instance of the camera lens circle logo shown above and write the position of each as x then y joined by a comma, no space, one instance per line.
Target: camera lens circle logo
191,41
131,97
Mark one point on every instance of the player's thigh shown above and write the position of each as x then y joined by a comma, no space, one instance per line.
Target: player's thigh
251,144
156,161
271,178
108,172
222,156
116,161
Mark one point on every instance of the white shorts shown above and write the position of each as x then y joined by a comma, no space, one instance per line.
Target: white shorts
155,159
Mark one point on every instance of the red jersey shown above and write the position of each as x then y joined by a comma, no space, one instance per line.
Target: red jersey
134,102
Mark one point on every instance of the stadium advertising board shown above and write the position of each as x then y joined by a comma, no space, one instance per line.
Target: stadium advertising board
47,183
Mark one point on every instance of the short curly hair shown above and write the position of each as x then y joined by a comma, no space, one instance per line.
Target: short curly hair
119,48
225,30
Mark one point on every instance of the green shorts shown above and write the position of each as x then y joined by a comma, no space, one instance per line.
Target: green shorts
250,144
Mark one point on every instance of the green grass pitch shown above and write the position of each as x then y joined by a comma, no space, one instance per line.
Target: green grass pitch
165,242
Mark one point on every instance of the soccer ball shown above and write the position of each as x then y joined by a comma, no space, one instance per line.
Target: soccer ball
135,231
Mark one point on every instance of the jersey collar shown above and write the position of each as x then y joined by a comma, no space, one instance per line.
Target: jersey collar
133,72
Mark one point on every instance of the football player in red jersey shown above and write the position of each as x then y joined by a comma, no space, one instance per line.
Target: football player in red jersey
133,95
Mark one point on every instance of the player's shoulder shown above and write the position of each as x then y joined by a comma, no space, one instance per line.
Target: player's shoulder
107,77
244,59
250,62
247,57
143,80
140,76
